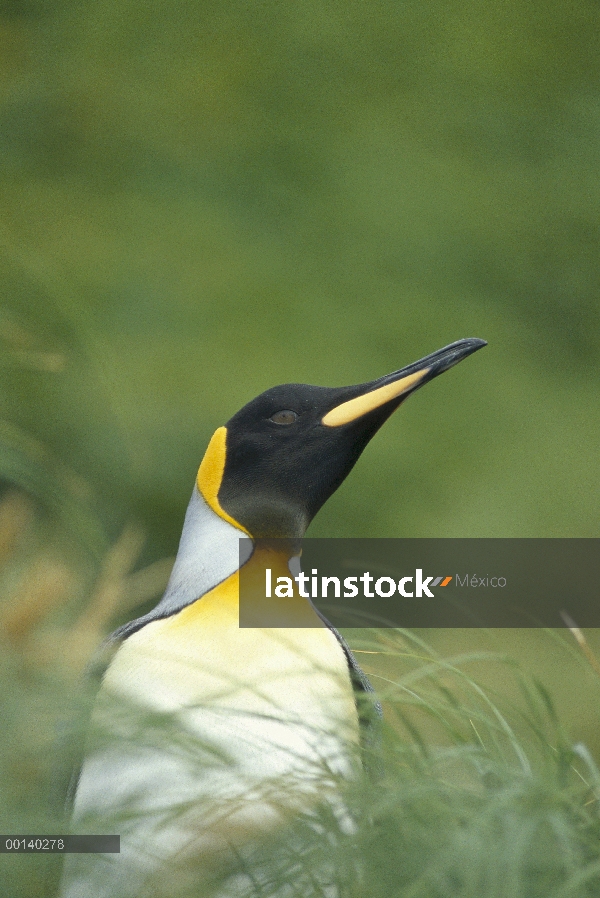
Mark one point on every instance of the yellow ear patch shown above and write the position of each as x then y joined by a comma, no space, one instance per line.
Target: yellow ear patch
210,475
361,405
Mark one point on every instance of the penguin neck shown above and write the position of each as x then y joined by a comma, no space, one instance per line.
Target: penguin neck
212,550
268,593
209,552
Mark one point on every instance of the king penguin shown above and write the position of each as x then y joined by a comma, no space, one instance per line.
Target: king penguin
206,734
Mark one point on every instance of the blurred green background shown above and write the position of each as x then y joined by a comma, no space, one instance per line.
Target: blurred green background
200,200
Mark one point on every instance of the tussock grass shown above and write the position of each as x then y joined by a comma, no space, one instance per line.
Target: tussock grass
481,790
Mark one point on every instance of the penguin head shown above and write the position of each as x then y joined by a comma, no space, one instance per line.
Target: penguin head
274,464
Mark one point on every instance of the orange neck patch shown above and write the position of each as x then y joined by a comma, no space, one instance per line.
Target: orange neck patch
210,475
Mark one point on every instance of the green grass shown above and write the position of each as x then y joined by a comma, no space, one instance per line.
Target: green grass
481,791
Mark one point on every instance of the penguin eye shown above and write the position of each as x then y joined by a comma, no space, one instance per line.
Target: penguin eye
286,416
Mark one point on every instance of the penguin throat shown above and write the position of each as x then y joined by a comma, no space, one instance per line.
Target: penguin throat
268,516
268,593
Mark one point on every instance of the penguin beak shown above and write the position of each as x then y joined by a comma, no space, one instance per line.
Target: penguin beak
389,391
